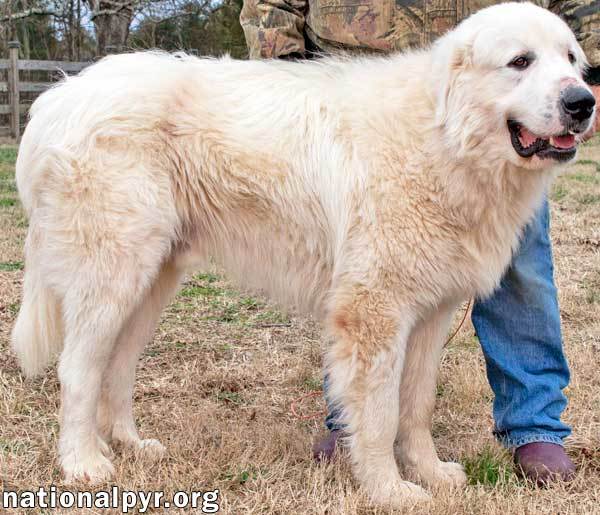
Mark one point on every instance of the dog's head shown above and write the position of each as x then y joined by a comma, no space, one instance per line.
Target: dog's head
509,84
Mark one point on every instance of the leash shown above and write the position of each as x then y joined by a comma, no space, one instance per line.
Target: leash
319,393
461,323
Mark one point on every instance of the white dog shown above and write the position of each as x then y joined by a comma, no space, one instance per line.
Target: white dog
376,193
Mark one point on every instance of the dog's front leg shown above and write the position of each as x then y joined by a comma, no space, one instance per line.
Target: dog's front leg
415,446
365,365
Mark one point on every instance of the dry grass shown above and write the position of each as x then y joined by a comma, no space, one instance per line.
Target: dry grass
216,385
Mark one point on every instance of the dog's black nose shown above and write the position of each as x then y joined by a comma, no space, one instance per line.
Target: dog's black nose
578,103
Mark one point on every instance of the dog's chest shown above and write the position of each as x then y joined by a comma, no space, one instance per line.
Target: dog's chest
434,257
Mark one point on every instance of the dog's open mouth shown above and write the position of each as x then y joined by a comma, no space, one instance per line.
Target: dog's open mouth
561,148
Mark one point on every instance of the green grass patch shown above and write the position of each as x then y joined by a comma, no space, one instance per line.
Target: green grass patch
8,155
592,296
8,202
487,468
246,311
272,317
11,266
226,305
207,277
228,397
151,352
202,285
591,288
250,303
21,221
588,199
584,178
468,342
228,312
13,308
7,172
587,162
559,192
7,186
12,447
229,309
242,475
200,291
313,383
440,390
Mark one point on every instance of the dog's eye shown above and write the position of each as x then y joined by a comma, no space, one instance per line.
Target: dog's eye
521,62
572,58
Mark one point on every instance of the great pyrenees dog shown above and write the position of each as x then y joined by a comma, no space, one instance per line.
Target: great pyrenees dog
377,193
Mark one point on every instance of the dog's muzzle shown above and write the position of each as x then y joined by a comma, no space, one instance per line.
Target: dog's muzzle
577,107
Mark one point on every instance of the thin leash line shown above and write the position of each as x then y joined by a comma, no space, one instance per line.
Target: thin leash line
461,323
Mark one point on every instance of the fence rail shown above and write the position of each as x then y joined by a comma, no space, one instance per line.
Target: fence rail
30,87
14,86
33,64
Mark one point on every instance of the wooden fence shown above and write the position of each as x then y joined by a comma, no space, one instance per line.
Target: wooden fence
15,110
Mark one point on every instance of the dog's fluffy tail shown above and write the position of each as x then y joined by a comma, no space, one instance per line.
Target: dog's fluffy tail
38,333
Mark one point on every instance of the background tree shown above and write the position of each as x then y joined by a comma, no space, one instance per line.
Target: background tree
112,20
84,29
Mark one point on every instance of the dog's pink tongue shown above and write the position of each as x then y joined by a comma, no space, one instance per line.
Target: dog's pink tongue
567,141
527,137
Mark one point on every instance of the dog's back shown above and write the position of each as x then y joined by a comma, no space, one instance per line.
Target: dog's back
190,144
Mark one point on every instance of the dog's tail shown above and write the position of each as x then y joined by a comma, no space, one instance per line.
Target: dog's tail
38,333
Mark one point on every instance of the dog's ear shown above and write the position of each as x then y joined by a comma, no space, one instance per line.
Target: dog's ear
451,56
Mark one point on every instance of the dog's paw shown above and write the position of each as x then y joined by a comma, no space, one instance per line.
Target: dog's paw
126,435
385,487
91,469
442,474
399,494
150,448
452,473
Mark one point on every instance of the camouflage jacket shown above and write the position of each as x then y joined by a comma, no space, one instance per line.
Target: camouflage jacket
277,28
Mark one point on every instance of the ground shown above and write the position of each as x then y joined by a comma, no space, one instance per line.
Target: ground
217,383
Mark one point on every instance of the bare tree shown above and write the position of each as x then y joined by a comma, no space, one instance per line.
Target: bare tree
112,20
65,28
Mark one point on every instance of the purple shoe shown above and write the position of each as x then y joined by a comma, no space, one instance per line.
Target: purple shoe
324,450
544,462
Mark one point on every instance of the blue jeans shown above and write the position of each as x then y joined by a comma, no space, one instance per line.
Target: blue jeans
519,331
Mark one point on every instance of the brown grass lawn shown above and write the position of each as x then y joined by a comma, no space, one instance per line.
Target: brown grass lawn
216,383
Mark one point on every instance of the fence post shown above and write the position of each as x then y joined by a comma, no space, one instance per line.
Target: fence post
13,88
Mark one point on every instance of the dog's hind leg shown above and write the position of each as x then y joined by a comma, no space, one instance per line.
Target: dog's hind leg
107,223
365,365
415,446
115,411
102,292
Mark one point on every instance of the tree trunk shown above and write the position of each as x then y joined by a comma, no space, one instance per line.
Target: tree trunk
78,34
70,31
111,21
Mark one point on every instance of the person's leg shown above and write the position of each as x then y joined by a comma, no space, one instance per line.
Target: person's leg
324,448
519,331
332,421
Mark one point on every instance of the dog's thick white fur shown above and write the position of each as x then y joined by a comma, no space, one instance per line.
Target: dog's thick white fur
376,193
